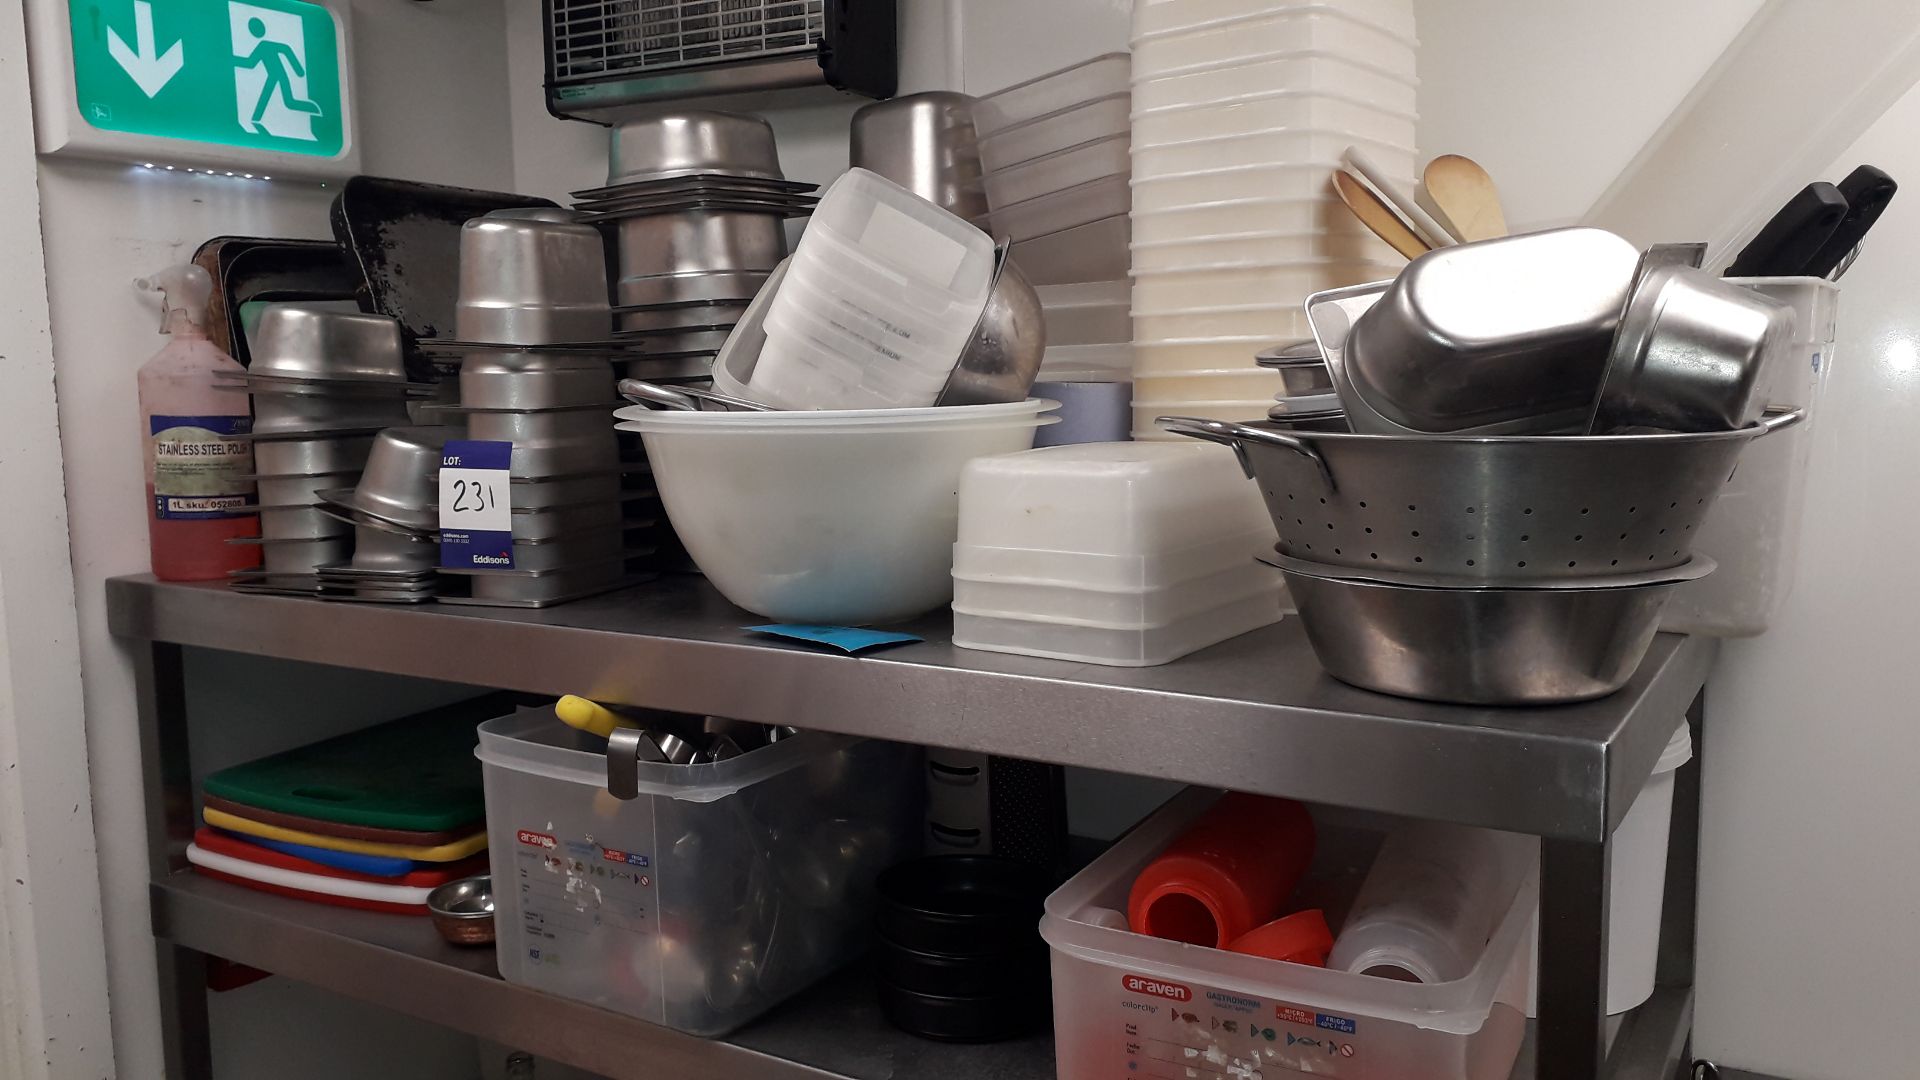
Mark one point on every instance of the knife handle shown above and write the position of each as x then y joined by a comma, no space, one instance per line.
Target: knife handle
1867,191
1784,244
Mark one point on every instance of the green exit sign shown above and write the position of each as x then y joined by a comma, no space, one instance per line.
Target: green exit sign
258,75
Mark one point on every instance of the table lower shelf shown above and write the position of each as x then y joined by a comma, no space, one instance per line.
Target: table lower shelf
832,1030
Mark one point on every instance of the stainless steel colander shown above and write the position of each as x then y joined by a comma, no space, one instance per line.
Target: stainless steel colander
1488,509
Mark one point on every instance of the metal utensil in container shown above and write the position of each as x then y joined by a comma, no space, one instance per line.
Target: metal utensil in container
1689,354
925,143
1482,646
532,277
1496,510
1512,331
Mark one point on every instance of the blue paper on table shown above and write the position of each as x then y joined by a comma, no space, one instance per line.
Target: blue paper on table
848,639
370,865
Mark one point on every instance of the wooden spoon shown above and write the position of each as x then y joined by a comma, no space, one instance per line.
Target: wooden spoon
1377,215
1461,194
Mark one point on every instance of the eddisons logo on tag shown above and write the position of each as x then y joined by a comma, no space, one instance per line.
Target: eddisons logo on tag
1140,984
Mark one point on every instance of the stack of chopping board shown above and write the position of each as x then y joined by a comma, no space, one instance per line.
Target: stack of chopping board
371,820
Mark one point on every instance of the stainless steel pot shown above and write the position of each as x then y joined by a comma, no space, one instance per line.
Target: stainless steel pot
925,143
1480,646
1498,510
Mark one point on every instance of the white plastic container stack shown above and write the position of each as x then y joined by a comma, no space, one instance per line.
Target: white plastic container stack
722,890
880,298
1054,154
1130,1005
1121,554
1241,110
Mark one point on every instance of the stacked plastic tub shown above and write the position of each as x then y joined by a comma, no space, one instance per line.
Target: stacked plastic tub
1241,110
1055,165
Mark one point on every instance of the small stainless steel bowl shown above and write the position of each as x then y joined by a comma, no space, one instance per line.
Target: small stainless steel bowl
926,143
532,278
462,911
492,380
305,342
1479,646
702,286
311,457
693,141
1689,354
1302,368
1003,357
398,484
695,240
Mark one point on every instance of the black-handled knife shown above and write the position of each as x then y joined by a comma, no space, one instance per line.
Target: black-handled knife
1867,191
1784,244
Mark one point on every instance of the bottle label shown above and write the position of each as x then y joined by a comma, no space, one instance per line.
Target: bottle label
200,472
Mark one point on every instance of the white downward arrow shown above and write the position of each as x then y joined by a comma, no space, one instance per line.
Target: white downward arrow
152,71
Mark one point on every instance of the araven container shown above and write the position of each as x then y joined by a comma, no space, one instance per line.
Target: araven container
1064,209
1115,644
1128,1005
1075,603
1168,16
1091,121
1283,31
1051,93
719,892
1082,164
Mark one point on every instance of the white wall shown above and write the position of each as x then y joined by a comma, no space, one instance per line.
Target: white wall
433,106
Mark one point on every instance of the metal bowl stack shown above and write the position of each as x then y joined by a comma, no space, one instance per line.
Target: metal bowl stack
323,382
699,207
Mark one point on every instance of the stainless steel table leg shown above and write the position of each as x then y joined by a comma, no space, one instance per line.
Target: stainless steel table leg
167,780
1573,959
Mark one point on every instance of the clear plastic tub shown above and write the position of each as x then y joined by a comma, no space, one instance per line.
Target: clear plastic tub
1283,31
1053,173
1087,313
1051,93
831,266
1209,384
1062,210
1111,573
1282,322
1224,187
836,353
1102,118
1018,599
920,340
1754,529
1270,147
1115,645
722,890
906,233
1129,1005
1264,75
1258,249
796,372
1286,109
1108,363
1313,213
1238,286
1095,251
1109,499
1167,16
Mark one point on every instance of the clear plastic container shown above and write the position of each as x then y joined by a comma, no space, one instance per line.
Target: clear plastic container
1015,598
1209,384
1313,213
1258,249
1111,362
1087,313
1109,197
921,341
1431,902
1112,573
1129,1005
1271,147
1102,118
833,267
1754,529
1095,251
897,229
796,372
1113,645
1283,31
719,892
1051,93
1286,71
1109,499
1248,285
1167,16
1222,187
1057,172
1286,109
1282,322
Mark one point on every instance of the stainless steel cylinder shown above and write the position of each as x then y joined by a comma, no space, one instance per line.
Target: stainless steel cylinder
926,144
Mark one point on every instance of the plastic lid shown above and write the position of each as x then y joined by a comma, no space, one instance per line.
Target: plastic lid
1679,750
1300,938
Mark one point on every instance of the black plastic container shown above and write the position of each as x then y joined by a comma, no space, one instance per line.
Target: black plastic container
1020,1010
963,905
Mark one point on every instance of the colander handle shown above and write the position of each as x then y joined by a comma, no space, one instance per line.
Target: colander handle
1777,417
1228,433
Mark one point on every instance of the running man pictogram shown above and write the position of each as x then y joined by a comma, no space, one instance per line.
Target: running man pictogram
278,62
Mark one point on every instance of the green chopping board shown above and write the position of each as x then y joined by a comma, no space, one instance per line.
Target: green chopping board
417,774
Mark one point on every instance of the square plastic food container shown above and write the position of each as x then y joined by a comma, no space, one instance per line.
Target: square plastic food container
1250,76
1257,249
1283,31
1130,1005
1108,499
898,229
1269,147
1096,363
1095,251
1236,286
1303,109
1074,603
722,890
1056,172
1090,121
1312,213
1115,644
1280,322
1217,187
1081,205
1163,16
1087,312
1051,93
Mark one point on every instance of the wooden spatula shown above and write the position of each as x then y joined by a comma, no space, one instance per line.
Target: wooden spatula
1459,192
1377,215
